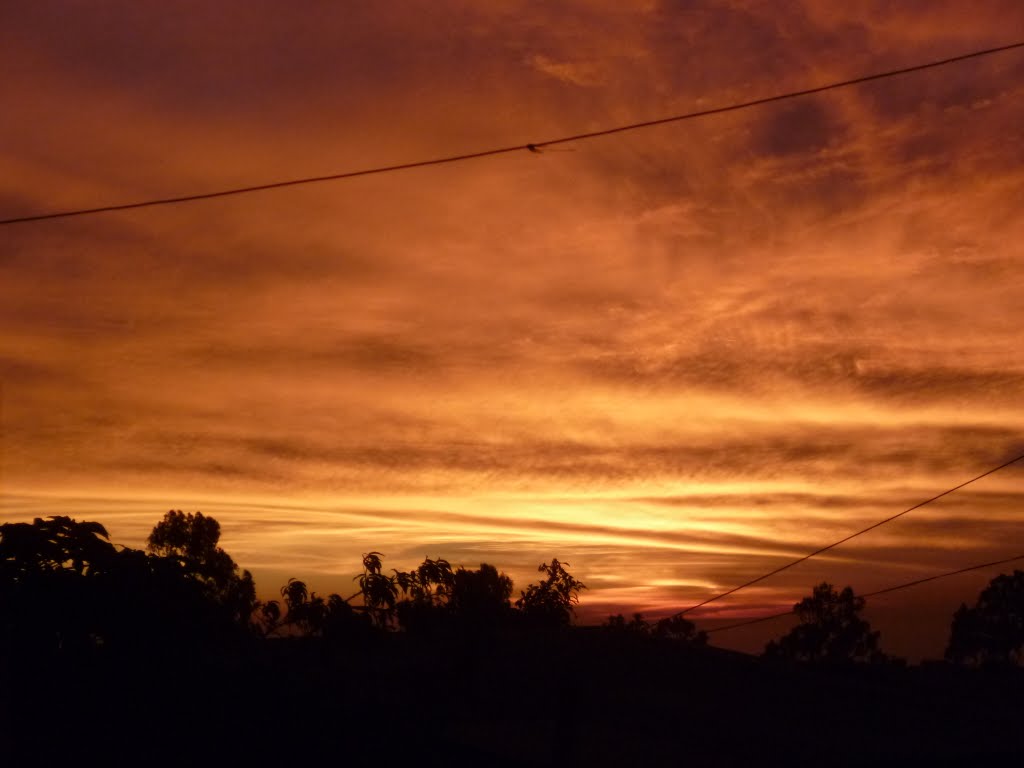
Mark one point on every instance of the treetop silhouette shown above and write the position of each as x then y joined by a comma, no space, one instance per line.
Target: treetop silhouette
675,628
552,601
64,585
54,544
192,540
830,630
992,632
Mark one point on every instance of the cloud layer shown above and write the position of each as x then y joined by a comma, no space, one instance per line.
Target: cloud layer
673,357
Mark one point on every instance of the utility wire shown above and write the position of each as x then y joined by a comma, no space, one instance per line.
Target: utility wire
845,539
535,147
896,588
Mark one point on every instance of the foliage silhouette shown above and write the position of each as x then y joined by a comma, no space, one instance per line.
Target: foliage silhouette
675,628
65,588
617,623
550,603
63,583
192,541
425,591
172,612
429,583
311,615
50,583
481,596
379,592
436,596
55,544
992,632
830,630
430,598
93,634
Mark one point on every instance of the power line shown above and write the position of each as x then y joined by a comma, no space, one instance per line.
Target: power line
876,593
534,147
835,544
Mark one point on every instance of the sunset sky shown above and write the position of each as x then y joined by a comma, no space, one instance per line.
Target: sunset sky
674,358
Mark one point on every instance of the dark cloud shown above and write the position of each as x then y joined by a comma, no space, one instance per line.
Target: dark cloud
358,352
20,372
227,58
822,454
934,96
801,127
851,368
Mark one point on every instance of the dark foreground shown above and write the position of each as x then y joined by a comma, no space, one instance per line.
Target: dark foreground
579,697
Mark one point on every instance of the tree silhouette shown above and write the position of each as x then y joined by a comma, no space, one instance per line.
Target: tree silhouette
268,617
305,610
635,626
437,596
550,603
50,583
481,596
426,589
64,586
674,628
992,632
379,592
310,615
192,541
830,630
55,544
433,596
679,629
429,583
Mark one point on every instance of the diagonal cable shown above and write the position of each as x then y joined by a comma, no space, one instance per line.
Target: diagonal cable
876,593
534,147
845,539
